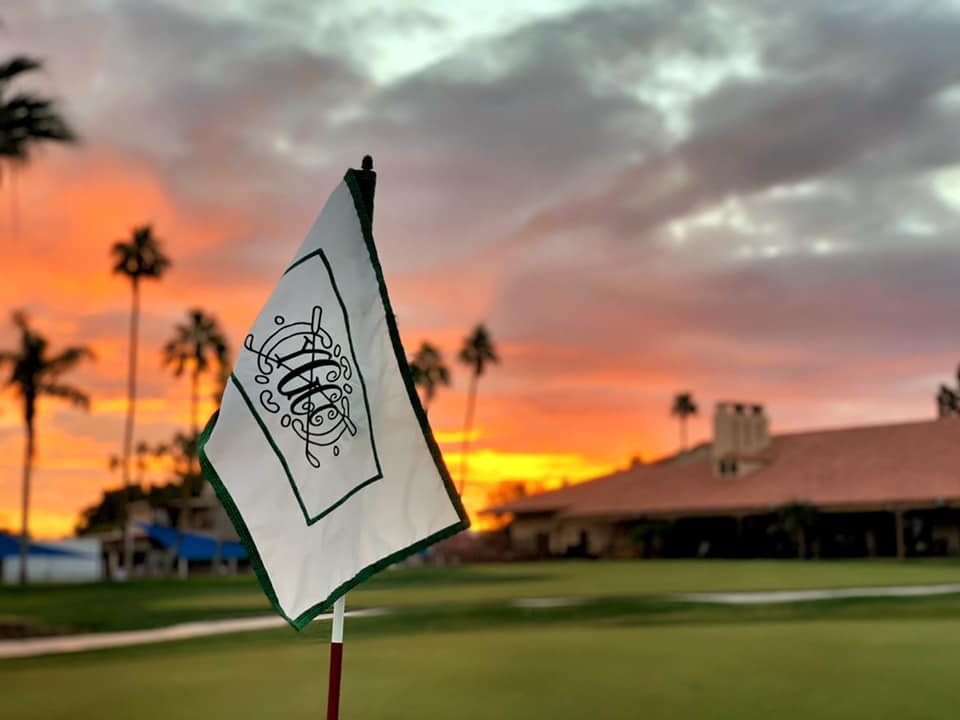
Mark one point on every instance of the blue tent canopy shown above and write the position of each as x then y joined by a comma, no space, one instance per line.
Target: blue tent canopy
191,546
10,547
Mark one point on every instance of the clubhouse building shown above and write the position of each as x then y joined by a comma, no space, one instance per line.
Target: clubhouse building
885,490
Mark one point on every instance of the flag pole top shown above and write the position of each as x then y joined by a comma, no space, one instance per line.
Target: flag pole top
367,179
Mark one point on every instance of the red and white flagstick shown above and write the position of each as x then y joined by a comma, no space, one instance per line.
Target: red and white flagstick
367,179
336,660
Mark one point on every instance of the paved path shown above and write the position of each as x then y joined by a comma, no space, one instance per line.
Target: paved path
792,596
29,647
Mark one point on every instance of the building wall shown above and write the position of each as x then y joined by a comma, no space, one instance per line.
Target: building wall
926,532
586,537
545,536
530,536
85,565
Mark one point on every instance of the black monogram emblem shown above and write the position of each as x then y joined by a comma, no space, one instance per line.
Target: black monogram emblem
301,379
311,382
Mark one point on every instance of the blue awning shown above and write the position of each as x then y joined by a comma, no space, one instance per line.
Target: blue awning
192,546
10,547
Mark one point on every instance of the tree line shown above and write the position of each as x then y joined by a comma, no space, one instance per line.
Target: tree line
36,371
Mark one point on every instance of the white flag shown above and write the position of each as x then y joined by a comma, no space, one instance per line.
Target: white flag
321,452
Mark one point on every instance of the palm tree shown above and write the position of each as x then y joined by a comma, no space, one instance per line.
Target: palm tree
26,120
683,407
198,345
948,400
35,373
429,372
139,258
477,352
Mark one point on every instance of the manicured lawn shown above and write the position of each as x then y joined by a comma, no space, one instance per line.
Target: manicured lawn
156,603
454,647
743,667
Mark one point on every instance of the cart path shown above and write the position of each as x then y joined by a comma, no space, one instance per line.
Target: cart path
792,596
765,597
59,644
31,647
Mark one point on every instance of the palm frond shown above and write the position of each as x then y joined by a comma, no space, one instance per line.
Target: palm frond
428,369
18,65
683,405
442,375
68,359
141,256
478,350
25,119
175,357
199,341
75,397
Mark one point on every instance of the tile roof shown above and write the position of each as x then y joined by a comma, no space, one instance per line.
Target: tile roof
856,468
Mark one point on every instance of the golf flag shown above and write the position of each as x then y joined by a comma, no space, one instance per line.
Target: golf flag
320,452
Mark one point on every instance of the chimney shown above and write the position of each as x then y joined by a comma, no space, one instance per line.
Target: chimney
740,433
761,429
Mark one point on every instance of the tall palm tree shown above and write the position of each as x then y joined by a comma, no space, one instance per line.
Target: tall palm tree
139,258
429,372
683,407
26,120
477,353
198,345
35,373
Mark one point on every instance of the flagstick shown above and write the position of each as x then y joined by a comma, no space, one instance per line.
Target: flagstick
336,660
367,180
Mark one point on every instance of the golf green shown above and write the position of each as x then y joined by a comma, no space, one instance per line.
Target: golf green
843,669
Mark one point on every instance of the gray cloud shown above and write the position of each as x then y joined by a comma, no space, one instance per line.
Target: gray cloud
837,91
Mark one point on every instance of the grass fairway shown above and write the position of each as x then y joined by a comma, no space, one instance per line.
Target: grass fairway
163,602
556,671
453,647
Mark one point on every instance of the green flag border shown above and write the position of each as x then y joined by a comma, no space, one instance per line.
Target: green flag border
303,619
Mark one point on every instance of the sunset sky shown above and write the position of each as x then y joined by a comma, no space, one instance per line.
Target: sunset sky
748,200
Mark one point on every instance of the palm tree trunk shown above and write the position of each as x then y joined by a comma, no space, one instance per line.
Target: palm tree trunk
128,428
185,490
467,426
194,419
25,509
14,203
683,433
